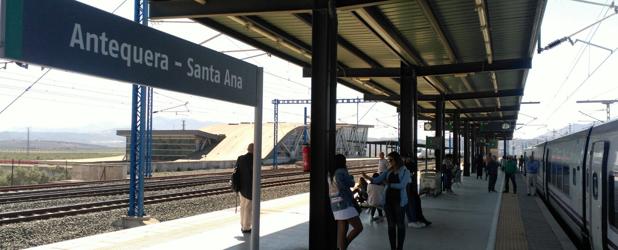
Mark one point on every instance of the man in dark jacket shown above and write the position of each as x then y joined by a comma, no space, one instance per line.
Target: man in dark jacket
244,167
492,172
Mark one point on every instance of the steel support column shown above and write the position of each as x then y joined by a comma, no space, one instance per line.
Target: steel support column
505,145
139,134
275,131
322,227
456,134
439,151
407,91
475,147
415,119
466,138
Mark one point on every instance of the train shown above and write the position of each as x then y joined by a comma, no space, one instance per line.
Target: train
422,153
577,180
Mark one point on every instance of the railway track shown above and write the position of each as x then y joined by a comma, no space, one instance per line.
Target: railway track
21,188
62,211
116,189
91,207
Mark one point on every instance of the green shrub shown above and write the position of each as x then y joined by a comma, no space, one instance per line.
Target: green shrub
31,175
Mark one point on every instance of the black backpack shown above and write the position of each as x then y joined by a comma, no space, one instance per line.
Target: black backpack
235,180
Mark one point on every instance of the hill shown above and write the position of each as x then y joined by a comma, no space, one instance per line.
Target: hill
47,145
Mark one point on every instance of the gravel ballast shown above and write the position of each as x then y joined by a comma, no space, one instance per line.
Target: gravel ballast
30,234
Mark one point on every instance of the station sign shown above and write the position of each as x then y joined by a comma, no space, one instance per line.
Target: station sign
493,143
497,126
69,35
448,125
432,142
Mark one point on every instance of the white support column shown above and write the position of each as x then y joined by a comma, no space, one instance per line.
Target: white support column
257,163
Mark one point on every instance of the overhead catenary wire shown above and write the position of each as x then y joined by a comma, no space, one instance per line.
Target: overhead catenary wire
580,53
43,75
570,95
577,88
25,90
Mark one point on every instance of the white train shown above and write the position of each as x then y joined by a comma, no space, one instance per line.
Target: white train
577,178
422,153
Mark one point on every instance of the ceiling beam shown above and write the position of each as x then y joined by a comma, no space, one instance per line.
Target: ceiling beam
375,21
446,42
490,118
382,28
474,95
162,9
457,96
475,67
250,41
474,110
435,25
446,69
306,18
264,25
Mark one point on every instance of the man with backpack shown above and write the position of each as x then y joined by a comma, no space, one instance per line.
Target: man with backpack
242,181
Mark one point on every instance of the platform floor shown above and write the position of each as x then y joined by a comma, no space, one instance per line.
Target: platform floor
468,219
525,223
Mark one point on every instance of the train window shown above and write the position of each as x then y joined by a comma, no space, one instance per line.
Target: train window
565,182
558,176
574,177
552,173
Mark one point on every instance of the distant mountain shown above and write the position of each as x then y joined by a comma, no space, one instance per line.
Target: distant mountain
103,138
89,136
46,145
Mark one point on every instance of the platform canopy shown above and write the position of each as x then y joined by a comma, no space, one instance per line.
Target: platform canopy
475,54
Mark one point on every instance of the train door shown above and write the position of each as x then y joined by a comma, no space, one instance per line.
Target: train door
596,212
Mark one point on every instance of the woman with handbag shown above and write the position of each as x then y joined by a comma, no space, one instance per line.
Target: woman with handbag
342,202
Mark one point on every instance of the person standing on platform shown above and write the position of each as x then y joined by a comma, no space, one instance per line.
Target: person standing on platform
342,202
414,210
382,164
492,172
376,198
532,168
244,167
447,171
480,166
521,164
396,179
488,158
510,169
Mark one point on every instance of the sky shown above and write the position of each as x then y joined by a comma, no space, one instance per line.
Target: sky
64,101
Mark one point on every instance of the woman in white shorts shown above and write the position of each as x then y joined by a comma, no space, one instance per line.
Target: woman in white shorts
342,202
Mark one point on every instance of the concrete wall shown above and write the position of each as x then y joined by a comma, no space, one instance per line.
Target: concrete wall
170,166
197,165
111,171
98,172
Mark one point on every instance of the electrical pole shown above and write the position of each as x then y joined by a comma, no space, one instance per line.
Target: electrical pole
183,124
28,141
606,102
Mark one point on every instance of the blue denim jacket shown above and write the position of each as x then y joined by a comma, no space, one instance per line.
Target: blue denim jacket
404,179
341,198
